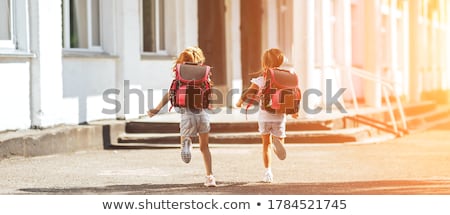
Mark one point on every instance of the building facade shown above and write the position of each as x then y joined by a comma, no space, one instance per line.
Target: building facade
75,61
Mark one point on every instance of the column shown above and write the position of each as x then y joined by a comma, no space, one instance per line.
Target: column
326,48
270,25
233,46
303,41
405,47
372,45
344,46
46,69
120,46
393,46
446,77
414,50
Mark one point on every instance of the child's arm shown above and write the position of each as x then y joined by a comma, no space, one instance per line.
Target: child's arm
164,100
253,89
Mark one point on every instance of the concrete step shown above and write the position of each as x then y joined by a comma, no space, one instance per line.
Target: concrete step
233,120
227,127
233,128
417,109
318,136
415,114
428,119
410,110
427,116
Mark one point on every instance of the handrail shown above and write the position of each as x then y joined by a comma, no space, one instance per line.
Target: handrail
377,124
387,85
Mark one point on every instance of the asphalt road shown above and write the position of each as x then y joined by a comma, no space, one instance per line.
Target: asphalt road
416,164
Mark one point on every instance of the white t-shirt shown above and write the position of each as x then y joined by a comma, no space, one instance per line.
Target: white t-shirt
263,115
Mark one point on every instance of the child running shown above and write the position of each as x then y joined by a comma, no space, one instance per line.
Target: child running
193,121
271,126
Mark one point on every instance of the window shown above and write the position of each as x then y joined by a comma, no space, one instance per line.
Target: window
153,26
82,24
6,24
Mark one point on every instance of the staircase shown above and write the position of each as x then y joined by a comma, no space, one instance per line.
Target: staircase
362,125
232,127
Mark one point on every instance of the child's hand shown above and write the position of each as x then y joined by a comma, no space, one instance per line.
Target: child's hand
152,112
239,104
295,115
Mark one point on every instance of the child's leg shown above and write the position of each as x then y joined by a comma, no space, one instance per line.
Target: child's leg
187,130
186,148
182,138
278,134
267,156
278,144
264,129
204,148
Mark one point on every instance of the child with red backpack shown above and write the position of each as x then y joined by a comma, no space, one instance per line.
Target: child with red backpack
277,91
189,93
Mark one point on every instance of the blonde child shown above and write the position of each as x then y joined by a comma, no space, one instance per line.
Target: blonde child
192,122
272,126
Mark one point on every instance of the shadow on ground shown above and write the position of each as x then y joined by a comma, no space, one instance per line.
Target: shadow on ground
392,187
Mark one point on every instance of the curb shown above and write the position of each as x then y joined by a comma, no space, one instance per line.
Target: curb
60,139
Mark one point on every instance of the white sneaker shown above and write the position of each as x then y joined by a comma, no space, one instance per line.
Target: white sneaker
268,177
186,150
278,148
210,181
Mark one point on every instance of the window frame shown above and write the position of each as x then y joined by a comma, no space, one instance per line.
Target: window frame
88,27
19,44
11,43
159,51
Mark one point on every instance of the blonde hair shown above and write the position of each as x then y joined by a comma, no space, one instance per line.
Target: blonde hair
191,55
272,58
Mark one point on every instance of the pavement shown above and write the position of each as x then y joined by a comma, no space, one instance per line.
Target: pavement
418,163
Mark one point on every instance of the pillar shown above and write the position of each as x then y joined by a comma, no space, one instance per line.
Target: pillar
372,45
303,41
46,69
414,50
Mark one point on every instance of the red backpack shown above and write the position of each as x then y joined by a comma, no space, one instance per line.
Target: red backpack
191,87
280,93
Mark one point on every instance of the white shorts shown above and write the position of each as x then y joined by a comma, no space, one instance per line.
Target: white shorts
194,123
274,124
276,128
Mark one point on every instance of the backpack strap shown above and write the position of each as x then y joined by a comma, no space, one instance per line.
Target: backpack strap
251,101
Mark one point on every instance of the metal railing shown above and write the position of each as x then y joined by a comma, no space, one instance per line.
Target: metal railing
385,87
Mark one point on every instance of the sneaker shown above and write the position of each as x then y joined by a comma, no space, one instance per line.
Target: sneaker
268,177
278,148
186,150
210,181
